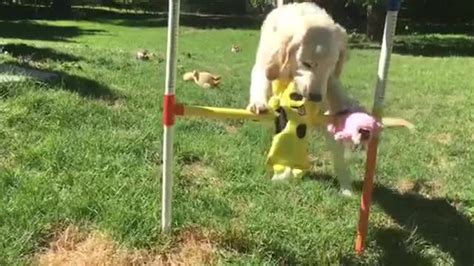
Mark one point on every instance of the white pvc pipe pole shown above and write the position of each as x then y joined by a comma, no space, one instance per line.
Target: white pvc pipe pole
167,184
384,59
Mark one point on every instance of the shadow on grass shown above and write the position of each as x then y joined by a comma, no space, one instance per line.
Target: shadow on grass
196,21
20,50
434,220
87,88
30,30
393,243
83,86
129,19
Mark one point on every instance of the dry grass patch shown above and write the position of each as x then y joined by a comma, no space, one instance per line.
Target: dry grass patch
197,169
193,248
73,247
231,129
442,138
429,189
442,163
406,186
116,104
7,162
202,174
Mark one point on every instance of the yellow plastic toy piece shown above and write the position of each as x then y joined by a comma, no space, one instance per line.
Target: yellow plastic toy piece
288,156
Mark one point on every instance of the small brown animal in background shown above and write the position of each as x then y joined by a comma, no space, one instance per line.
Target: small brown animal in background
203,79
144,55
235,49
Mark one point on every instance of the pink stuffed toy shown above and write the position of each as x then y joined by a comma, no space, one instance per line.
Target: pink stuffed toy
358,127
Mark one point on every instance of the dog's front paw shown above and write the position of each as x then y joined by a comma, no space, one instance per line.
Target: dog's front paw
258,107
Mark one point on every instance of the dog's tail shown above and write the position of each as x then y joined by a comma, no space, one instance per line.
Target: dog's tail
397,122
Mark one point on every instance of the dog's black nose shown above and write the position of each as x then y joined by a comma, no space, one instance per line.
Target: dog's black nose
314,97
364,134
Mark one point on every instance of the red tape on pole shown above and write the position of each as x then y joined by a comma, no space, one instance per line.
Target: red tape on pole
168,110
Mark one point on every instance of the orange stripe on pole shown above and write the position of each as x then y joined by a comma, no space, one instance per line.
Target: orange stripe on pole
366,199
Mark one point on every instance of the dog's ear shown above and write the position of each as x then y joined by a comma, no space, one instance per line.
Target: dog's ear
272,70
289,51
341,39
280,58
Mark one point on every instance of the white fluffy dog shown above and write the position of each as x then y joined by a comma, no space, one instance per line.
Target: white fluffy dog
301,41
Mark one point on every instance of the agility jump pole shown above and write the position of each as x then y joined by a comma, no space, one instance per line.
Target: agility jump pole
377,110
169,115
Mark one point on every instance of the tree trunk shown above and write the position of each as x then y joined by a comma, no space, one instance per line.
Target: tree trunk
106,2
375,22
61,9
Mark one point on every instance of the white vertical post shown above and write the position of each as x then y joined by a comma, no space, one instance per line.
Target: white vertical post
168,115
384,59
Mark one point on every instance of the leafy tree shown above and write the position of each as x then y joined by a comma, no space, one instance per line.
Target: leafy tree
214,6
263,6
61,8
374,9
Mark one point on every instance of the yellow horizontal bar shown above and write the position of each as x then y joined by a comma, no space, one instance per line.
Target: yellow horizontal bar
225,113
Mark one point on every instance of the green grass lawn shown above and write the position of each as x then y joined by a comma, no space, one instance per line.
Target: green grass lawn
86,150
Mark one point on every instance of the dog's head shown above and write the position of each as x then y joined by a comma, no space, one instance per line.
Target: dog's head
314,52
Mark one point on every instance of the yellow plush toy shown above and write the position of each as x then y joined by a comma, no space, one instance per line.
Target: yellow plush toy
288,156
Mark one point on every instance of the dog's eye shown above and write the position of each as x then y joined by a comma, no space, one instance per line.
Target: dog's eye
307,65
